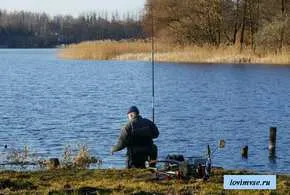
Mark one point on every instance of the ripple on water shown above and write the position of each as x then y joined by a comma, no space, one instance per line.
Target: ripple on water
49,103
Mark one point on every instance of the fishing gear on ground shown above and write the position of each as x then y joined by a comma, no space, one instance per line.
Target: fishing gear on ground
177,166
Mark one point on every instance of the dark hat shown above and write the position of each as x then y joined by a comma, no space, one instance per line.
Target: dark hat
133,109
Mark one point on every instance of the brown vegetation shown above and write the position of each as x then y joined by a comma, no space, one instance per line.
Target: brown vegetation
106,50
141,50
253,24
204,31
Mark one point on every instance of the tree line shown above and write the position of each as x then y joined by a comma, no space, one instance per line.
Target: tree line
22,29
255,24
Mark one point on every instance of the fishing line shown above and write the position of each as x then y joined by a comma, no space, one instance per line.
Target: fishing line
152,62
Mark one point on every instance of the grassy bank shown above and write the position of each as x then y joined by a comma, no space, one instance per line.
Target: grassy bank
119,182
141,51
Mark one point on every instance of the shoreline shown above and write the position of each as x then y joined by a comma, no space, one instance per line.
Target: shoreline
112,181
140,50
161,58
234,60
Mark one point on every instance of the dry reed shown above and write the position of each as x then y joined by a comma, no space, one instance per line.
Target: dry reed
141,50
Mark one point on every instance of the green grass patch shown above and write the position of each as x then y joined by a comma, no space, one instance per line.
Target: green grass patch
110,181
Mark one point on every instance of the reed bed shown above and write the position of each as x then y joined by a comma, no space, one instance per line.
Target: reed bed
141,50
111,181
280,58
107,50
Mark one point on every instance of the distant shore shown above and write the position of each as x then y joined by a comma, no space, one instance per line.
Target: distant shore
111,181
141,51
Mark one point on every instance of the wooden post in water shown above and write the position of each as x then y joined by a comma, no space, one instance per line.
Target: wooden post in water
244,151
272,141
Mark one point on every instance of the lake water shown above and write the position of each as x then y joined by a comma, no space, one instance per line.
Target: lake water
48,103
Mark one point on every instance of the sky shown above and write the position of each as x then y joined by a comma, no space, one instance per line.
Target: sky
72,7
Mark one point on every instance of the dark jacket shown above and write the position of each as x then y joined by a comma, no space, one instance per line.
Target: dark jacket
137,133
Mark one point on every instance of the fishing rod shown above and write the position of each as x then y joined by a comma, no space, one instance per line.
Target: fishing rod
152,61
